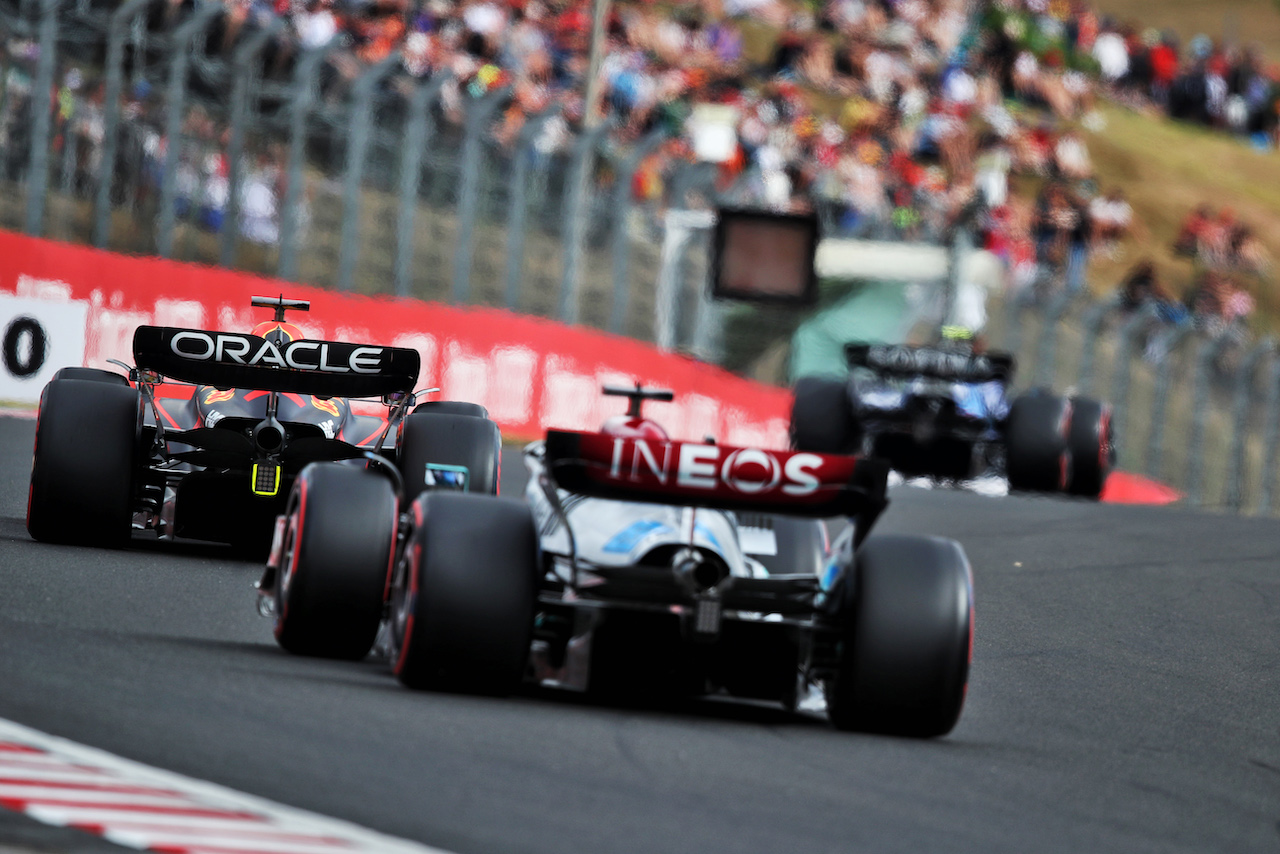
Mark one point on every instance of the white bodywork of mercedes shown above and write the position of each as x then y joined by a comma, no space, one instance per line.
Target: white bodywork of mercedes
610,533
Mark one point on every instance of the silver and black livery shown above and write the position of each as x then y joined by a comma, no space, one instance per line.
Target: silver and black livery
639,565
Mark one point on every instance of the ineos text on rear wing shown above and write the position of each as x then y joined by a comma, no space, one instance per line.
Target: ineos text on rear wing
904,360
233,359
697,474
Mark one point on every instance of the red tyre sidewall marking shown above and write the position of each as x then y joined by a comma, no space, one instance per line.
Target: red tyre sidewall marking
1104,441
391,556
414,557
295,553
1064,459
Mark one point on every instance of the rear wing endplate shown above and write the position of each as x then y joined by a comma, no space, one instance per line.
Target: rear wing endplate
238,360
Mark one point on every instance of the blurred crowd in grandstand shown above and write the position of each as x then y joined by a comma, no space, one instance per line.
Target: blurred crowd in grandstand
893,118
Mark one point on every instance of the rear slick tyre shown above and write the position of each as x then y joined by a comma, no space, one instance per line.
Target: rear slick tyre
452,407
1090,442
822,417
448,439
82,468
93,375
335,564
463,602
1037,456
907,614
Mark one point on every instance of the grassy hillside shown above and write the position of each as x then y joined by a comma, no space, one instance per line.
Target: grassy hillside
1166,169
1245,21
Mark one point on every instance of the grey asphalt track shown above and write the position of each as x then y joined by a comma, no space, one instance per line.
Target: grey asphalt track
1125,697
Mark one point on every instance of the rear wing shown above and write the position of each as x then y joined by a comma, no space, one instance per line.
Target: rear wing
696,474
237,360
904,360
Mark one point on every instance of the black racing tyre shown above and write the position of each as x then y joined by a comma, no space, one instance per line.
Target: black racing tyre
83,465
463,602
908,631
1037,456
441,438
1090,442
453,407
96,375
822,418
335,565
801,546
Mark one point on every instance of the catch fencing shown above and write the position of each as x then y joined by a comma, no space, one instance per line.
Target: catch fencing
142,127
165,137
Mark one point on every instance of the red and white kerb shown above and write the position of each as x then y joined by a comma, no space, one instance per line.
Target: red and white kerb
63,783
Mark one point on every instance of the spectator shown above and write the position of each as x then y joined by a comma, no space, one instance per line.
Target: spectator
1141,287
1112,56
1111,218
1218,305
1192,231
1062,234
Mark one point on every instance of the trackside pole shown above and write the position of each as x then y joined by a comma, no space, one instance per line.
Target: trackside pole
41,117
175,109
117,30
358,133
418,132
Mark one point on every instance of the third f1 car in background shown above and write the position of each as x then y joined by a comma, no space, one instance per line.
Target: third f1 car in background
638,566
945,412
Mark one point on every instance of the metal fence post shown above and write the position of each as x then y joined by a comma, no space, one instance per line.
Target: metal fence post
1013,308
1124,368
621,234
246,69
174,109
1094,319
117,30
708,322
358,133
577,201
1053,315
469,188
958,249
1199,409
303,97
1160,399
678,228
5,65
41,117
66,172
518,211
1234,498
417,134
1272,440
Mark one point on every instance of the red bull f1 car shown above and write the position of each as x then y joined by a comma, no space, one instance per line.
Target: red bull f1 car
215,459
639,565
944,411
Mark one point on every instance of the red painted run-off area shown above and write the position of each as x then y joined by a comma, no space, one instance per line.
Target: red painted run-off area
531,373
1123,487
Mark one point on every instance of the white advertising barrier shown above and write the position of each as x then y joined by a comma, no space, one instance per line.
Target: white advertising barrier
38,337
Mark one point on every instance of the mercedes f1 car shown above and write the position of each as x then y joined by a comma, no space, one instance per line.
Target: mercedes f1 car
638,564
945,412
215,459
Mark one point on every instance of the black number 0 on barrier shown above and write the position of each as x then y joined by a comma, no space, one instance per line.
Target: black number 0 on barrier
20,360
